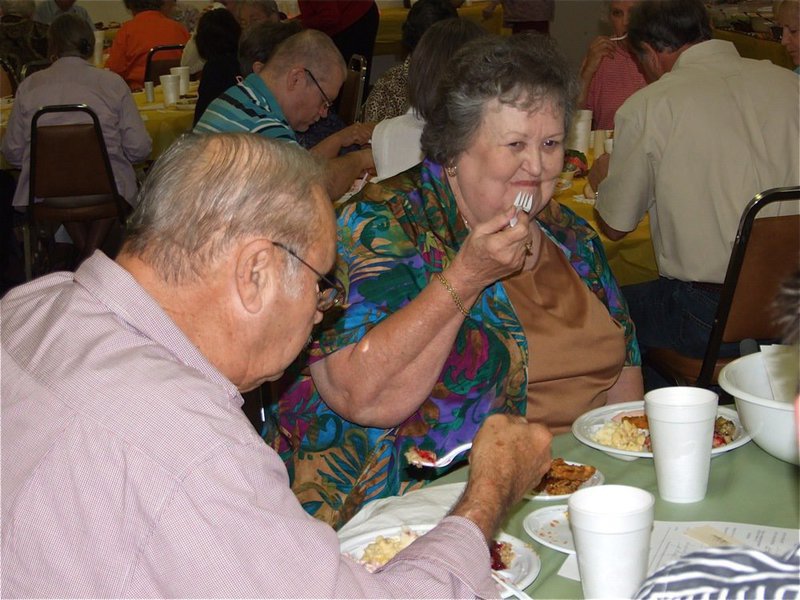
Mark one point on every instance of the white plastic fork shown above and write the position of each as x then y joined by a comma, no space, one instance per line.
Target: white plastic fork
523,201
514,590
445,460
619,38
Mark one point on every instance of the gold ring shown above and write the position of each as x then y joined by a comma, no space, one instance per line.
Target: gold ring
528,246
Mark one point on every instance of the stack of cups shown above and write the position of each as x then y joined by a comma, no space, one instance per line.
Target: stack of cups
170,86
149,92
183,75
99,40
611,526
681,421
580,132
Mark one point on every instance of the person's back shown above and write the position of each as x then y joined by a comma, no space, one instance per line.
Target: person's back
733,134
71,80
75,416
147,29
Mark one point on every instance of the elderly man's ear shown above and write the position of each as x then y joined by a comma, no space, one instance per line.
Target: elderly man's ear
256,275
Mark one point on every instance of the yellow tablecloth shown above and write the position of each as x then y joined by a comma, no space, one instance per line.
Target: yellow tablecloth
632,258
388,40
753,47
164,124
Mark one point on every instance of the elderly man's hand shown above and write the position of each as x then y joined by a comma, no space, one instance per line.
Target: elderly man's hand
508,458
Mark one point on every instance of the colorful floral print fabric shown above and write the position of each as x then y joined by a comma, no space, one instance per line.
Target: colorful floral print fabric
392,239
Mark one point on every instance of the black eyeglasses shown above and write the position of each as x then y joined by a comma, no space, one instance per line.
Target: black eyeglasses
328,103
328,297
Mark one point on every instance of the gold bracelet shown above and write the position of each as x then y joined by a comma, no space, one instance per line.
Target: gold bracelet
453,293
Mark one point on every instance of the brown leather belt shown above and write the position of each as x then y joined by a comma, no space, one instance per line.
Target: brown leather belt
709,287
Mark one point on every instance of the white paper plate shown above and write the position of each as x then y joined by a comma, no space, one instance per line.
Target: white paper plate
522,572
550,527
597,479
587,425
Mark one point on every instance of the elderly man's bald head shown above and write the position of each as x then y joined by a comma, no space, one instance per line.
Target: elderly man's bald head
208,191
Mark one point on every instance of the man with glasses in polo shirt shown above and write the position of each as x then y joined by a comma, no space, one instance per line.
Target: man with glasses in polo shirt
294,89
128,466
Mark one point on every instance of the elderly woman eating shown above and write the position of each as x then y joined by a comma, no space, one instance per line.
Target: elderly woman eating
458,304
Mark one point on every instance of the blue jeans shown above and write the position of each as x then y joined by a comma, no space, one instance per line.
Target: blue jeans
669,313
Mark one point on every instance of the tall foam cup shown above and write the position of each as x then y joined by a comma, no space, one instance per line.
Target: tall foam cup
99,40
183,74
170,86
611,526
681,422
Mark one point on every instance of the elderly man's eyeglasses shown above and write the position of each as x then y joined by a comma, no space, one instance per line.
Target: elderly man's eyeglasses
328,296
328,103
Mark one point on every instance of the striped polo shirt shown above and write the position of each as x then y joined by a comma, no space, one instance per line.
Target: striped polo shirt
248,106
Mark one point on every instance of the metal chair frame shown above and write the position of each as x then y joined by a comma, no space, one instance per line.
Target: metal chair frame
151,64
86,210
351,98
732,321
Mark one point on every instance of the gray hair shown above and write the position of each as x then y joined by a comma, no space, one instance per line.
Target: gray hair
524,71
310,48
70,35
18,8
208,191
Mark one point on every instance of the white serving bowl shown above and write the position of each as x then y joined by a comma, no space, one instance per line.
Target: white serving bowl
772,424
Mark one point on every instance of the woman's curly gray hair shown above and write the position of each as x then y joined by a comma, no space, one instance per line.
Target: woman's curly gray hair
525,71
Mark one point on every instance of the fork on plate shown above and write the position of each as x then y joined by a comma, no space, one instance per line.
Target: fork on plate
523,201
514,590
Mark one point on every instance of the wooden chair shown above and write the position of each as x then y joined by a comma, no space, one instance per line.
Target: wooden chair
765,252
352,96
70,176
156,67
33,66
8,79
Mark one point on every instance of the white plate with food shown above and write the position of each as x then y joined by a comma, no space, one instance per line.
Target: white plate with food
613,430
550,527
522,571
564,478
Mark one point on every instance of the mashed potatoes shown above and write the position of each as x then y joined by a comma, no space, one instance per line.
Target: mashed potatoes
382,549
621,435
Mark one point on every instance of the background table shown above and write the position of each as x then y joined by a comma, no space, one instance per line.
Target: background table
390,29
746,485
754,47
164,124
632,258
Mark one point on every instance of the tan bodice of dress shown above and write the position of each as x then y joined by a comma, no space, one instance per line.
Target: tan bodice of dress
576,349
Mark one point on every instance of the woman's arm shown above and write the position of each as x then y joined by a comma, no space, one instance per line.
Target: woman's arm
600,47
384,377
628,387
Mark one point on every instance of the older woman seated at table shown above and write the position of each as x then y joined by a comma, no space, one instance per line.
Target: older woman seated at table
787,15
457,304
72,80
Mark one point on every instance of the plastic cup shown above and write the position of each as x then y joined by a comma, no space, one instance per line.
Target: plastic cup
149,91
99,40
183,74
608,145
170,86
681,421
579,136
598,141
611,527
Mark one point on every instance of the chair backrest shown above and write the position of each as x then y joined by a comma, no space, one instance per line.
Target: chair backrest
352,95
766,251
156,66
8,80
33,66
69,164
